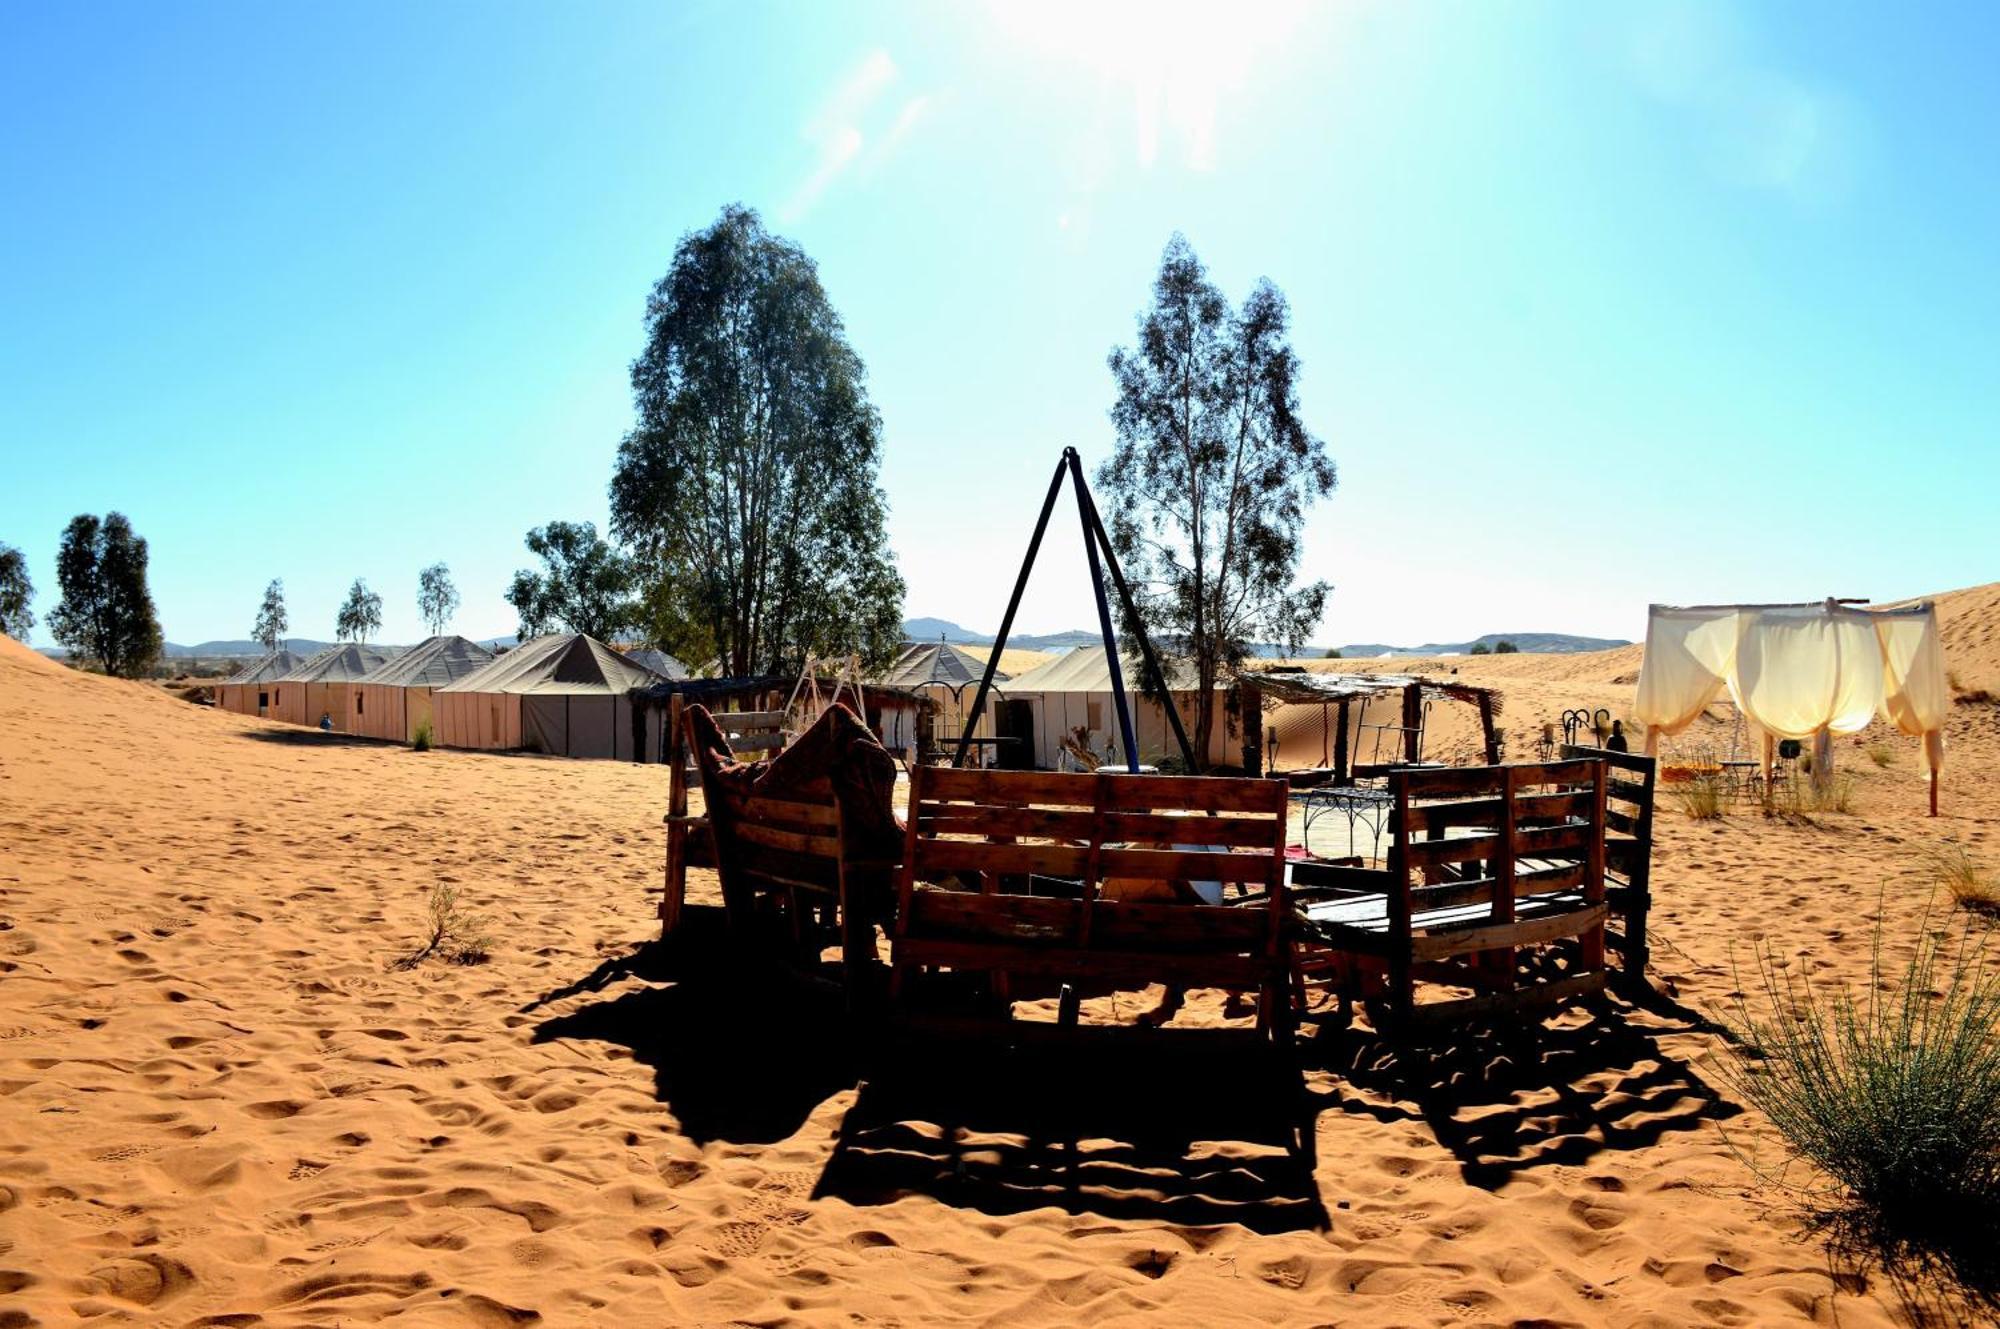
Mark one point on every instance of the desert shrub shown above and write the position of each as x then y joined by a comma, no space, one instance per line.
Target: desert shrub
1803,799
1893,1095
1957,871
454,936
1881,754
424,737
1703,795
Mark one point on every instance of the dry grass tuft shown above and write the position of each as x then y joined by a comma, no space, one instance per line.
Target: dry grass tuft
1703,797
1881,754
1958,872
455,937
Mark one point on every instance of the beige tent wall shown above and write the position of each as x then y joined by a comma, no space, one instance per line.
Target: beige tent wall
1056,713
304,703
481,720
384,710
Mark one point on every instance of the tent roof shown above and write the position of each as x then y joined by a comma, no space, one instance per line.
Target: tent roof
343,662
564,664
1084,670
275,665
666,666
925,663
432,663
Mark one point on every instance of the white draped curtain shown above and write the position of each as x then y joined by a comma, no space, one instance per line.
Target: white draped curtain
1797,671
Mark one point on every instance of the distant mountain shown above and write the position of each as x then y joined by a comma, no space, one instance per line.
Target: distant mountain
935,629
1530,643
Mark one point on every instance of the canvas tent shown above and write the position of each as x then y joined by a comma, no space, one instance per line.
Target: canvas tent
319,686
1798,671
563,694
1074,689
948,677
666,666
248,691
393,700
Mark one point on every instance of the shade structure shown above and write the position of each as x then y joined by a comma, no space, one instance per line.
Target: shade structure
395,699
247,691
564,695
1802,671
319,687
1074,690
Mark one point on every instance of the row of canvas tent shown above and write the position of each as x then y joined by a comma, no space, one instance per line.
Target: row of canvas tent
1033,712
564,694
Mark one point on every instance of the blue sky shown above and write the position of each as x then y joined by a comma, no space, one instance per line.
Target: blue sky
1598,305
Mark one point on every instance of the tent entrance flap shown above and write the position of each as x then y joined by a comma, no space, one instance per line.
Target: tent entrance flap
1096,544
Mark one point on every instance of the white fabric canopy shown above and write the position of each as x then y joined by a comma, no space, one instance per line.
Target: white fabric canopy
1797,671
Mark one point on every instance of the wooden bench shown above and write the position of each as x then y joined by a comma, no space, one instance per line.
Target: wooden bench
1094,877
689,839
794,855
1483,863
1630,782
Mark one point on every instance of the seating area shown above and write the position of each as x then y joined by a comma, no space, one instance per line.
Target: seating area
1496,892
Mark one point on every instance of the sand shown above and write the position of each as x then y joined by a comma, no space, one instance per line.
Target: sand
220,1105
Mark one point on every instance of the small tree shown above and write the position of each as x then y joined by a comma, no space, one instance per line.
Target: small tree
1208,486
269,629
106,615
16,591
585,586
360,616
1333,653
1480,648
437,598
1506,648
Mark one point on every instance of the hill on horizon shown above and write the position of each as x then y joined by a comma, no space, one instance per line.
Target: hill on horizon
1530,643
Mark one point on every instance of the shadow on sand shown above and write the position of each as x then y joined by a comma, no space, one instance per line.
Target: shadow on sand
294,736
1183,1128
1507,1100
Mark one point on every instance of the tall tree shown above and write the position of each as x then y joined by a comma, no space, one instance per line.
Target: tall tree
1212,474
748,484
106,615
437,598
269,629
585,586
17,591
360,616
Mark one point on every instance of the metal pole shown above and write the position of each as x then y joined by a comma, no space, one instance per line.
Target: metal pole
1007,623
1094,529
1118,696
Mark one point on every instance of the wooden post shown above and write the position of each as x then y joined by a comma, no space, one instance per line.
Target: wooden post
1340,775
1250,711
1413,720
1402,990
1934,785
1492,736
674,745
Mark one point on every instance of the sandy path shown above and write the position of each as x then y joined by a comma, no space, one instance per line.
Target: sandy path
217,1106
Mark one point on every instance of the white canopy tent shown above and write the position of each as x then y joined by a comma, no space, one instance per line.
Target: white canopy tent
1798,671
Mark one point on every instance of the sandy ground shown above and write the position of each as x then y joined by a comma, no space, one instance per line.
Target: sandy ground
220,1105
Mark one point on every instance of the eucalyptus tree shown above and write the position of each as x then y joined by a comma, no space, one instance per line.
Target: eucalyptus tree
1212,474
747,486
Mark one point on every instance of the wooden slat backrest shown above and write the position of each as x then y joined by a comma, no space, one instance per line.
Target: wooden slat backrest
1552,813
1092,827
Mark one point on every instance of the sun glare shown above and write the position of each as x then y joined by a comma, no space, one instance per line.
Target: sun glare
1174,60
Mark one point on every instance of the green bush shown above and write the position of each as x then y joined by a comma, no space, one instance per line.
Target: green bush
425,736
1894,1095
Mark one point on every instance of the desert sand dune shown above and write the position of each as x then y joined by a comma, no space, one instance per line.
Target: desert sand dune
220,1105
